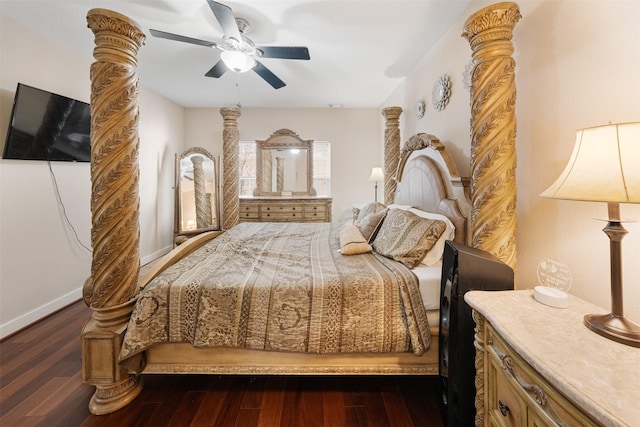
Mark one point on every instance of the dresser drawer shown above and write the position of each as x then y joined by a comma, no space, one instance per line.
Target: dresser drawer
285,210
249,212
520,396
315,213
281,209
315,209
282,212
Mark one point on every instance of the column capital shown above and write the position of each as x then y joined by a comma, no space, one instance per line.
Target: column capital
391,113
492,23
231,113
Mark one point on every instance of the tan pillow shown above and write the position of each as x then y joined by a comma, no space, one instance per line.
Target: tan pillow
370,224
351,241
370,208
405,237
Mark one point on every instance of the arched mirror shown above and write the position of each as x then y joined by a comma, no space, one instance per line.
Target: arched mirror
196,193
284,165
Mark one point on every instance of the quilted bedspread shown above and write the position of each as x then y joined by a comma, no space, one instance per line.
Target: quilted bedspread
281,287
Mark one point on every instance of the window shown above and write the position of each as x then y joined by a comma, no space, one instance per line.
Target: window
321,167
247,165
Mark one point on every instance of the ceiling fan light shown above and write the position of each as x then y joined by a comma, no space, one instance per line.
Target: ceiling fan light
237,61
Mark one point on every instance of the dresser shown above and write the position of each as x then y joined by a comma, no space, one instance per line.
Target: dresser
285,209
540,366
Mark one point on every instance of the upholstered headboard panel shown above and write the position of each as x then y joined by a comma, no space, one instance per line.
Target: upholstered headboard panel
429,181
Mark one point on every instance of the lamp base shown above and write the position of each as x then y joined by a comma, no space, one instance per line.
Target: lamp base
616,328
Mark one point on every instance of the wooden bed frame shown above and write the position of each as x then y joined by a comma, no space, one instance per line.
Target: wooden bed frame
429,180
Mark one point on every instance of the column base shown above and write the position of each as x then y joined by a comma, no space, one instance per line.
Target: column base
108,399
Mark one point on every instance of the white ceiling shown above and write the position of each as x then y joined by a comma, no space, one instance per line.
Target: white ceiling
360,49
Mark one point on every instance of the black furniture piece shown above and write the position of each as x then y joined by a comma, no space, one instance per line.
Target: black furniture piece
463,269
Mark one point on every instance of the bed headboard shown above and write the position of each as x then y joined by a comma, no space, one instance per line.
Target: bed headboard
428,179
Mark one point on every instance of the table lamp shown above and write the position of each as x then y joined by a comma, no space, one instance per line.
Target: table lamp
376,175
605,167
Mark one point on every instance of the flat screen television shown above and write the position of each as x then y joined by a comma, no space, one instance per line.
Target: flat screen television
47,126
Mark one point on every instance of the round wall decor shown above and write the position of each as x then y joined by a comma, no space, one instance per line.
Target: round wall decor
420,107
441,92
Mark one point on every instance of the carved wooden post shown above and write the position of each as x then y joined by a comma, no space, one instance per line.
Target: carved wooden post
493,130
391,151
203,210
115,232
230,166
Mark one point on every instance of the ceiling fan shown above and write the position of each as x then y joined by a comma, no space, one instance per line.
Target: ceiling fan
238,52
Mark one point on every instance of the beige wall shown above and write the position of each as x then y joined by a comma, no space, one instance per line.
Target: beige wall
42,267
578,65
354,135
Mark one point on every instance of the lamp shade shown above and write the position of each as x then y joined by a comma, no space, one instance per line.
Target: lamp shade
604,166
376,175
237,61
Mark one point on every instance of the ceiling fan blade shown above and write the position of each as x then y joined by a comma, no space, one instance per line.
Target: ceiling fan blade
268,76
217,70
176,37
284,52
227,20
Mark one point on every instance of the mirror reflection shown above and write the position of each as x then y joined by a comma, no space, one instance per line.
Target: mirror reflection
196,176
288,170
284,165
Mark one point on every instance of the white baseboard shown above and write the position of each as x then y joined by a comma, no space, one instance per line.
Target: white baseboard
26,319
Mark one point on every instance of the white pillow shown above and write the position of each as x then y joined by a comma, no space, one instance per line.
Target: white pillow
434,256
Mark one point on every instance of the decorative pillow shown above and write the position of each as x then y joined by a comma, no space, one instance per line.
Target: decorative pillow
351,241
370,224
370,208
405,237
434,256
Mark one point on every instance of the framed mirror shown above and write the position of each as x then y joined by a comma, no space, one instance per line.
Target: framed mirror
284,165
196,192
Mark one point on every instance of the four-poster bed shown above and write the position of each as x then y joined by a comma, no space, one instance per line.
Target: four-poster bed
425,178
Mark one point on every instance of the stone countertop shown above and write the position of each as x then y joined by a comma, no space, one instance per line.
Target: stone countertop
599,375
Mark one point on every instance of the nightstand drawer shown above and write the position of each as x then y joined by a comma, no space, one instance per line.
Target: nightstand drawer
522,398
504,405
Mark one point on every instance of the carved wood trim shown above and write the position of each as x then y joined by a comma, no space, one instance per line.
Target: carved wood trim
480,360
493,130
115,229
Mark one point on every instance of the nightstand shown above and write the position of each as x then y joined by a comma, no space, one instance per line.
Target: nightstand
537,365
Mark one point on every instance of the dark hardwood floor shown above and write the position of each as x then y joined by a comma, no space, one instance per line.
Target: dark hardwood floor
41,385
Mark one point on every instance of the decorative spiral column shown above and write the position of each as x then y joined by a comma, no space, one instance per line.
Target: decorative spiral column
391,151
115,232
203,211
230,166
493,130
279,174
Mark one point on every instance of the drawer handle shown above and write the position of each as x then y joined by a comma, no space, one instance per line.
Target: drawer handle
538,393
504,409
